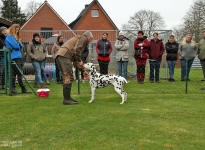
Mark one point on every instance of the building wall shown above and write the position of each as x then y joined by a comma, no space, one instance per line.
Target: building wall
96,23
44,18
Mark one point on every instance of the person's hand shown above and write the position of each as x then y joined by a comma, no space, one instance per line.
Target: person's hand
86,75
140,44
80,64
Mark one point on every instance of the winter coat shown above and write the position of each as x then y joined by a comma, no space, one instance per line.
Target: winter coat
156,49
37,52
172,50
15,46
54,49
142,50
73,48
201,52
104,48
122,46
188,51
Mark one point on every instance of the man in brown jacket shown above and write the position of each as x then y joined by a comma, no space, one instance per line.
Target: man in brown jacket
70,52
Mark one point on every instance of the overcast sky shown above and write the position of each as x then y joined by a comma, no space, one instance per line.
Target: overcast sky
120,10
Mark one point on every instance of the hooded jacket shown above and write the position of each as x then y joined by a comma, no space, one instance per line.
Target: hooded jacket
122,46
156,49
201,53
37,51
172,49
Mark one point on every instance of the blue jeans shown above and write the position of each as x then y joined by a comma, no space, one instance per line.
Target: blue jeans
171,66
122,64
39,67
183,68
43,73
154,66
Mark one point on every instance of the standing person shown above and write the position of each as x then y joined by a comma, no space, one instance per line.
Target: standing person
2,46
122,56
13,42
104,48
188,51
37,52
155,52
172,49
84,56
141,46
57,45
201,54
70,53
43,71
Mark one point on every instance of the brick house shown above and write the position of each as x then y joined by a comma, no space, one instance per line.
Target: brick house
94,17
39,22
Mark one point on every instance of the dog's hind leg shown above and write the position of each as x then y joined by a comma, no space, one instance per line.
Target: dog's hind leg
119,91
125,94
93,94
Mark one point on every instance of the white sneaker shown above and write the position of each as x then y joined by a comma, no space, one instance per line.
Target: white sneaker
83,81
76,81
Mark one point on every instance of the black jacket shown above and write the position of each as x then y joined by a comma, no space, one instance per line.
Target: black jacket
172,50
2,41
2,44
84,54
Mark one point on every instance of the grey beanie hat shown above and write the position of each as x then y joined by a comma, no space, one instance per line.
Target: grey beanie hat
2,28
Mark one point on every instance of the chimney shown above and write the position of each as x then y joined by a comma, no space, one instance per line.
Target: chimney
86,5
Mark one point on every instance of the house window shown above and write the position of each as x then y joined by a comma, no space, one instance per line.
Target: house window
95,13
46,32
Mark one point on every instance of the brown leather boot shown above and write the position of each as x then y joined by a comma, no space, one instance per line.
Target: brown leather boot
43,86
66,94
36,85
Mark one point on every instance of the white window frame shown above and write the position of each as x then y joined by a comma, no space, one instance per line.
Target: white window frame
95,15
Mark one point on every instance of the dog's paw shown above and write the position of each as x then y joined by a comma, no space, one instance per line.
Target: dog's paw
90,101
122,103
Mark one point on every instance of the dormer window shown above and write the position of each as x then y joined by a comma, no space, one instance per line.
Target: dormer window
95,13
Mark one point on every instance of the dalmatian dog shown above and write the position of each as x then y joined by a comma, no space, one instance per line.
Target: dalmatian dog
98,80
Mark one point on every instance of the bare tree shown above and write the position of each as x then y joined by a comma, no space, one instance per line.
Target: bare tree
31,8
144,20
193,21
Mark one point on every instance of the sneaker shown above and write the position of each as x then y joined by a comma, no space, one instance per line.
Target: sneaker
170,80
151,81
83,81
76,81
182,79
47,82
157,81
173,80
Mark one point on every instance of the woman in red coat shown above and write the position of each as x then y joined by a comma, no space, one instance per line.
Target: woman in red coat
141,46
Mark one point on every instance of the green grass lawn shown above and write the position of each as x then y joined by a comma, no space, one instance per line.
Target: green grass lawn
145,121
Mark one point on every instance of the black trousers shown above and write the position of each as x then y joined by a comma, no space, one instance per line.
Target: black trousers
58,77
103,66
16,72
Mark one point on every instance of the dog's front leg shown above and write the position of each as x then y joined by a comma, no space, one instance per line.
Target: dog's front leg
93,94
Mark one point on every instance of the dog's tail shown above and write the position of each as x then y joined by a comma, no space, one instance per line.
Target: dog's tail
124,81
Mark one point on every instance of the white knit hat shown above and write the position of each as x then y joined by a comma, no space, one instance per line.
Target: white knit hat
121,33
